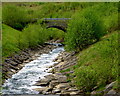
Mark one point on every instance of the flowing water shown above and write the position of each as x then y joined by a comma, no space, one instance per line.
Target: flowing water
23,81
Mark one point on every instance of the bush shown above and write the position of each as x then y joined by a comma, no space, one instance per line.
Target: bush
54,33
84,29
14,16
86,78
35,34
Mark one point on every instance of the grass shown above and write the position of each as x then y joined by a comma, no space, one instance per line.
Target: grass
98,64
32,35
9,40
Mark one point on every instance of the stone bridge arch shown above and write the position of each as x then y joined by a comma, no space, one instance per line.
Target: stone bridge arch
59,23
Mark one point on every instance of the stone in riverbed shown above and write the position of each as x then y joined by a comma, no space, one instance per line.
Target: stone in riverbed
59,65
72,89
13,63
40,90
61,78
56,91
50,77
53,83
73,93
42,82
62,85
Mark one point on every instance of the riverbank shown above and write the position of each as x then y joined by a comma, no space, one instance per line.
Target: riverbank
76,67
59,83
16,62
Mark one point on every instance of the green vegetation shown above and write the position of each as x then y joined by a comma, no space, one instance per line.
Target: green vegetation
92,32
14,16
85,31
9,40
32,35
98,65
90,24
21,15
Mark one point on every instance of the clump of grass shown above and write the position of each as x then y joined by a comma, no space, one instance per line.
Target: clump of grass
35,34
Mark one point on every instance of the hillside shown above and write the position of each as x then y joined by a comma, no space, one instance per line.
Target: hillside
97,65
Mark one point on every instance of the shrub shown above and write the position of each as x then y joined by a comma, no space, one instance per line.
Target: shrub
84,29
86,78
35,34
54,33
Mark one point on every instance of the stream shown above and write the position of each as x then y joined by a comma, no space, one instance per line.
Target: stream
23,81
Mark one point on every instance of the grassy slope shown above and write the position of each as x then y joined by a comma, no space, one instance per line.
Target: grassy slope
98,64
9,40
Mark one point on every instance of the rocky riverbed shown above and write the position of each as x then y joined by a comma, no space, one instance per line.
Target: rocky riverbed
56,82
14,63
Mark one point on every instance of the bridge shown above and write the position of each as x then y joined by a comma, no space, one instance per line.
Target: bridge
59,23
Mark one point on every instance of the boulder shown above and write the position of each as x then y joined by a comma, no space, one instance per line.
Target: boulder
62,86
40,90
73,93
50,77
53,83
56,91
62,79
93,93
72,89
42,82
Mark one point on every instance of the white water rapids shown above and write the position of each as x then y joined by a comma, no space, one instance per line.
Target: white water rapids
22,82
